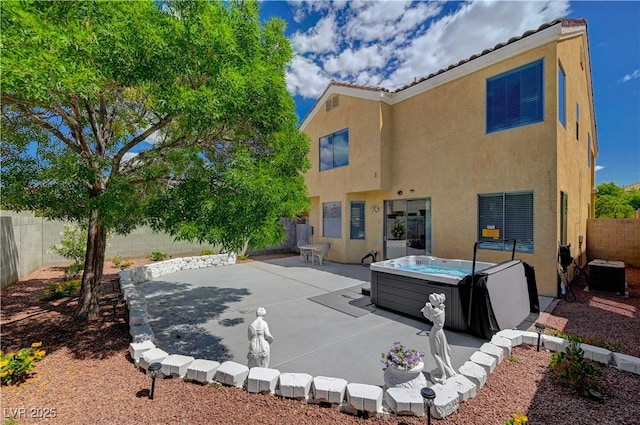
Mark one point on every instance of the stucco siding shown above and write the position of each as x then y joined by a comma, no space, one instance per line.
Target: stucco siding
433,143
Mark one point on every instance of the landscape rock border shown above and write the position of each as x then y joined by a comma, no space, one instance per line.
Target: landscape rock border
366,399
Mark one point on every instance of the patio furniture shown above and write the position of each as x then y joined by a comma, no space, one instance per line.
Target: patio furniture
304,253
313,251
321,252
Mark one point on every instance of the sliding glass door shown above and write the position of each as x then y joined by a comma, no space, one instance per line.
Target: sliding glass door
407,227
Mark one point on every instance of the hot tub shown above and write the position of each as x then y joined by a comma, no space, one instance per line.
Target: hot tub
404,285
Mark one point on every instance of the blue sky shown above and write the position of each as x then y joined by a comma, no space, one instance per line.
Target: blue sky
389,43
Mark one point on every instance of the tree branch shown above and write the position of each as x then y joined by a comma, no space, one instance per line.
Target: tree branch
31,115
117,159
92,121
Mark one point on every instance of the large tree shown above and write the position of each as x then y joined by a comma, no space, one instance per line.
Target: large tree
107,106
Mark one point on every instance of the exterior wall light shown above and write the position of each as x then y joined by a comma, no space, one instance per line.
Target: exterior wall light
154,371
375,208
429,396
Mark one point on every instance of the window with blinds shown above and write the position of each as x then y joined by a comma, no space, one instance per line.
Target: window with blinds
506,216
357,220
516,98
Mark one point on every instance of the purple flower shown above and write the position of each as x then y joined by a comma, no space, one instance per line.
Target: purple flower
401,357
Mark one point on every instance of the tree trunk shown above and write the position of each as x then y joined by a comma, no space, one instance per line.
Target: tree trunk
89,304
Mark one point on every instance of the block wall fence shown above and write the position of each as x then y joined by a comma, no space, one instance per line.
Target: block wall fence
614,239
26,240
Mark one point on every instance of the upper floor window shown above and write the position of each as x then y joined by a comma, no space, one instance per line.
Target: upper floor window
516,98
506,216
562,96
334,150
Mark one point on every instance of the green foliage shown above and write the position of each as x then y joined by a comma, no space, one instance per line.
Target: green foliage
570,369
73,244
595,341
15,367
122,101
398,230
56,291
158,256
209,252
513,359
613,202
119,263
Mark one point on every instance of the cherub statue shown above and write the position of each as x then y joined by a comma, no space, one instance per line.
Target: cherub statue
440,350
259,340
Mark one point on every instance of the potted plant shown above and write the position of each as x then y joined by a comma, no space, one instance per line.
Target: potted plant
398,230
403,367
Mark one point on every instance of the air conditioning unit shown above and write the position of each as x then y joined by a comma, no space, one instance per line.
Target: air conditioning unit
607,276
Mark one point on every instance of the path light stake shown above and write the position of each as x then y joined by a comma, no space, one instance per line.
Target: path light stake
114,304
539,328
154,371
428,395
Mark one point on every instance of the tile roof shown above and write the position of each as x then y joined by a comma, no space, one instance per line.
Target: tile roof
565,22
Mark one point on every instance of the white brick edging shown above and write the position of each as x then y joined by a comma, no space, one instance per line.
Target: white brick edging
350,397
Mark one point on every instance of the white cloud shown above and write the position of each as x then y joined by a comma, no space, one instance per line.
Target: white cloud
473,28
598,168
635,74
319,39
154,138
390,43
306,78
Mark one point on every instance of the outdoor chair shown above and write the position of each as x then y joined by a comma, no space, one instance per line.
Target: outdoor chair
322,252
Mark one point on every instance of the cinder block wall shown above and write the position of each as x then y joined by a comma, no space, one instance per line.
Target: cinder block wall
26,240
614,239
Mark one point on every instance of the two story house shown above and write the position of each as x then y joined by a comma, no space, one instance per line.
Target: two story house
498,146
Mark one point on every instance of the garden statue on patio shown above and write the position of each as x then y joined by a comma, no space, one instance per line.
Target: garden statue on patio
440,350
259,340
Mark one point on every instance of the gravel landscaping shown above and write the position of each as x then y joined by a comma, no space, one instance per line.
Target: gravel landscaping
87,376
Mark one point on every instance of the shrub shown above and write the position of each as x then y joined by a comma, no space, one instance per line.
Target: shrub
15,367
118,263
158,256
570,369
595,341
209,252
55,291
73,244
517,419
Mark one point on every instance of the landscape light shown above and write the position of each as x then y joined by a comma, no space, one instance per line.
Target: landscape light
429,396
154,371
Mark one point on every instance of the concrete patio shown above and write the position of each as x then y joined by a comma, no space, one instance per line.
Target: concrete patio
321,322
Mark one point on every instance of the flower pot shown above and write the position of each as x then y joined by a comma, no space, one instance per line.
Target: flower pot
397,377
